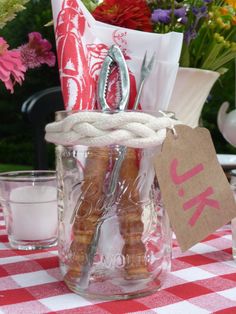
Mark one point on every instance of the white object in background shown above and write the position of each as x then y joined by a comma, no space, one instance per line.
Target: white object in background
192,86
227,160
227,123
34,212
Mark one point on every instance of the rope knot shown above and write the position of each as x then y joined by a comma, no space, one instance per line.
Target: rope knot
133,129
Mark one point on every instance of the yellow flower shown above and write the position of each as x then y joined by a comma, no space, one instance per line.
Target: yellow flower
232,3
224,10
234,20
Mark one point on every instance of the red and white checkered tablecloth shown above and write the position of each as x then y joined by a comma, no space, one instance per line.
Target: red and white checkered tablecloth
203,280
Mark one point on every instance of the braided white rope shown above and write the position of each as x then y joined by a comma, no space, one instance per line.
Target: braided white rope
133,129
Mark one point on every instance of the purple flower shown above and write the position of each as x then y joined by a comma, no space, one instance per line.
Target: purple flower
161,16
183,20
203,9
195,10
200,12
180,14
189,35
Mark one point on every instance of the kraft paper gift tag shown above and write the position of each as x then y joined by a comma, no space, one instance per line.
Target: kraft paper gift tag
194,188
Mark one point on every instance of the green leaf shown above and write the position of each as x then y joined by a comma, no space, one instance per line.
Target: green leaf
90,5
185,57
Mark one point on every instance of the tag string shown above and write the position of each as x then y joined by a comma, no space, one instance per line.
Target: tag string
170,115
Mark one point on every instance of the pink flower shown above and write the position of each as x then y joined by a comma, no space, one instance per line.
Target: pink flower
11,67
37,52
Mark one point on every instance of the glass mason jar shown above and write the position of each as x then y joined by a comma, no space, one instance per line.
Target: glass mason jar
114,234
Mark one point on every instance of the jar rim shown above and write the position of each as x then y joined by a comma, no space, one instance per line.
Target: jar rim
28,175
61,114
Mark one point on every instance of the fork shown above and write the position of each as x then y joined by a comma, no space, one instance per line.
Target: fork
145,71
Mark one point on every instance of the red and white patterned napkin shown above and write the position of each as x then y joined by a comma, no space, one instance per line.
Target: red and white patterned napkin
82,44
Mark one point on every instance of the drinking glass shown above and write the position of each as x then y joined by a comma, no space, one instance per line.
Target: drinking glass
29,202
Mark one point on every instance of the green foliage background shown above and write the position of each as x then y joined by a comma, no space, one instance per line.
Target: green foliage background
223,90
15,133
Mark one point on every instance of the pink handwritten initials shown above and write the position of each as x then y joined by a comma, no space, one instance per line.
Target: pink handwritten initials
201,200
178,179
